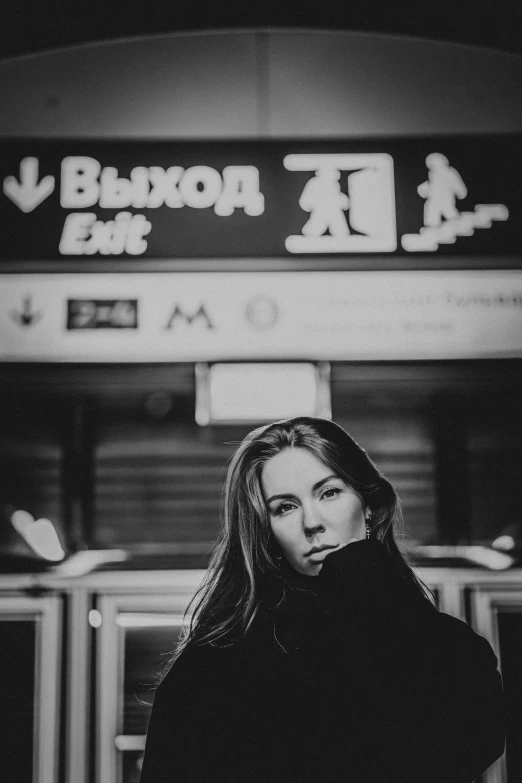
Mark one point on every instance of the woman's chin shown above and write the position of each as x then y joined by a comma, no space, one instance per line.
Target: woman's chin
310,567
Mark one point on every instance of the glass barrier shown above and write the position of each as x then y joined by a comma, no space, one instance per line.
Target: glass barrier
510,638
148,640
29,662
138,637
497,615
17,663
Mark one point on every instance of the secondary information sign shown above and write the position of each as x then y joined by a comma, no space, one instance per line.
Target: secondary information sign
165,317
81,199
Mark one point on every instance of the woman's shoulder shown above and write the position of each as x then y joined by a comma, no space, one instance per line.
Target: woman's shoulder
215,660
460,639
196,663
365,577
207,654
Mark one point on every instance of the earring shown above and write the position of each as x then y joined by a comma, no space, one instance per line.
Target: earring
368,526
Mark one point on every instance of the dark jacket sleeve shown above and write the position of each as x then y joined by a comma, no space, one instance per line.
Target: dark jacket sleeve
188,737
427,677
468,722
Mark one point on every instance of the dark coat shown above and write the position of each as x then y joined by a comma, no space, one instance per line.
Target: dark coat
354,677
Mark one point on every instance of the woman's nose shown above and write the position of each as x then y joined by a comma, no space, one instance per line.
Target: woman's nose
312,522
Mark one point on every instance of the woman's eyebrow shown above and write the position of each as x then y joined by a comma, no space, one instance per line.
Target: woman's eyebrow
315,487
319,484
278,497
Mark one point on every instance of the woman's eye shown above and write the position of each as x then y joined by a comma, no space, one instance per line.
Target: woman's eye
283,508
331,492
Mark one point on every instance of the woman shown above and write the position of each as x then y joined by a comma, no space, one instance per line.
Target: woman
314,652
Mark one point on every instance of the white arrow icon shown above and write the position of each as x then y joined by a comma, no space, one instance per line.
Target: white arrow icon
28,193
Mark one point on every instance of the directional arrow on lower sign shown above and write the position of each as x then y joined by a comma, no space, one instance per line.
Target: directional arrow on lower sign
28,193
26,316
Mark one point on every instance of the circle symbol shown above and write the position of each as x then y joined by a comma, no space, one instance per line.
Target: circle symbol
262,312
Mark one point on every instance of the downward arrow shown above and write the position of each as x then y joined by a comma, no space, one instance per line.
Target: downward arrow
26,316
28,193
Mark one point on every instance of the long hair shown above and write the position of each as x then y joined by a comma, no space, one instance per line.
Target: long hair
245,552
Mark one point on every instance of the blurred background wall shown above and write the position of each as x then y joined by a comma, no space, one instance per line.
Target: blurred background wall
257,85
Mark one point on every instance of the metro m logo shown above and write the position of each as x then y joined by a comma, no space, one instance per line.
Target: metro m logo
199,315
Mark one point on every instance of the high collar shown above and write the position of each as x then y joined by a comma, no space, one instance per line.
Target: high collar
304,614
295,579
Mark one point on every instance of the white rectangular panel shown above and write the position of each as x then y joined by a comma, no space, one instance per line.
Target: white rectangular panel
261,391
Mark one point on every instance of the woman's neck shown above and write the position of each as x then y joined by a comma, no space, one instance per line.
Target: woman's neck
296,579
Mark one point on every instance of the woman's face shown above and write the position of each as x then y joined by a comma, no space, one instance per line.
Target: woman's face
309,508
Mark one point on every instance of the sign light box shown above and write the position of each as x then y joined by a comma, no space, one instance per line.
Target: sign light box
87,199
276,317
257,392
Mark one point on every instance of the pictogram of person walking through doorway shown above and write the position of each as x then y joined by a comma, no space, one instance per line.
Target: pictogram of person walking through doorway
324,199
361,182
443,186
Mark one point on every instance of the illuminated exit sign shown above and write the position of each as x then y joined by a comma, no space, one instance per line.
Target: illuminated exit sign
82,199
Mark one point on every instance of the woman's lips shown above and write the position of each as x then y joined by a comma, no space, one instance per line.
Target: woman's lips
318,556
